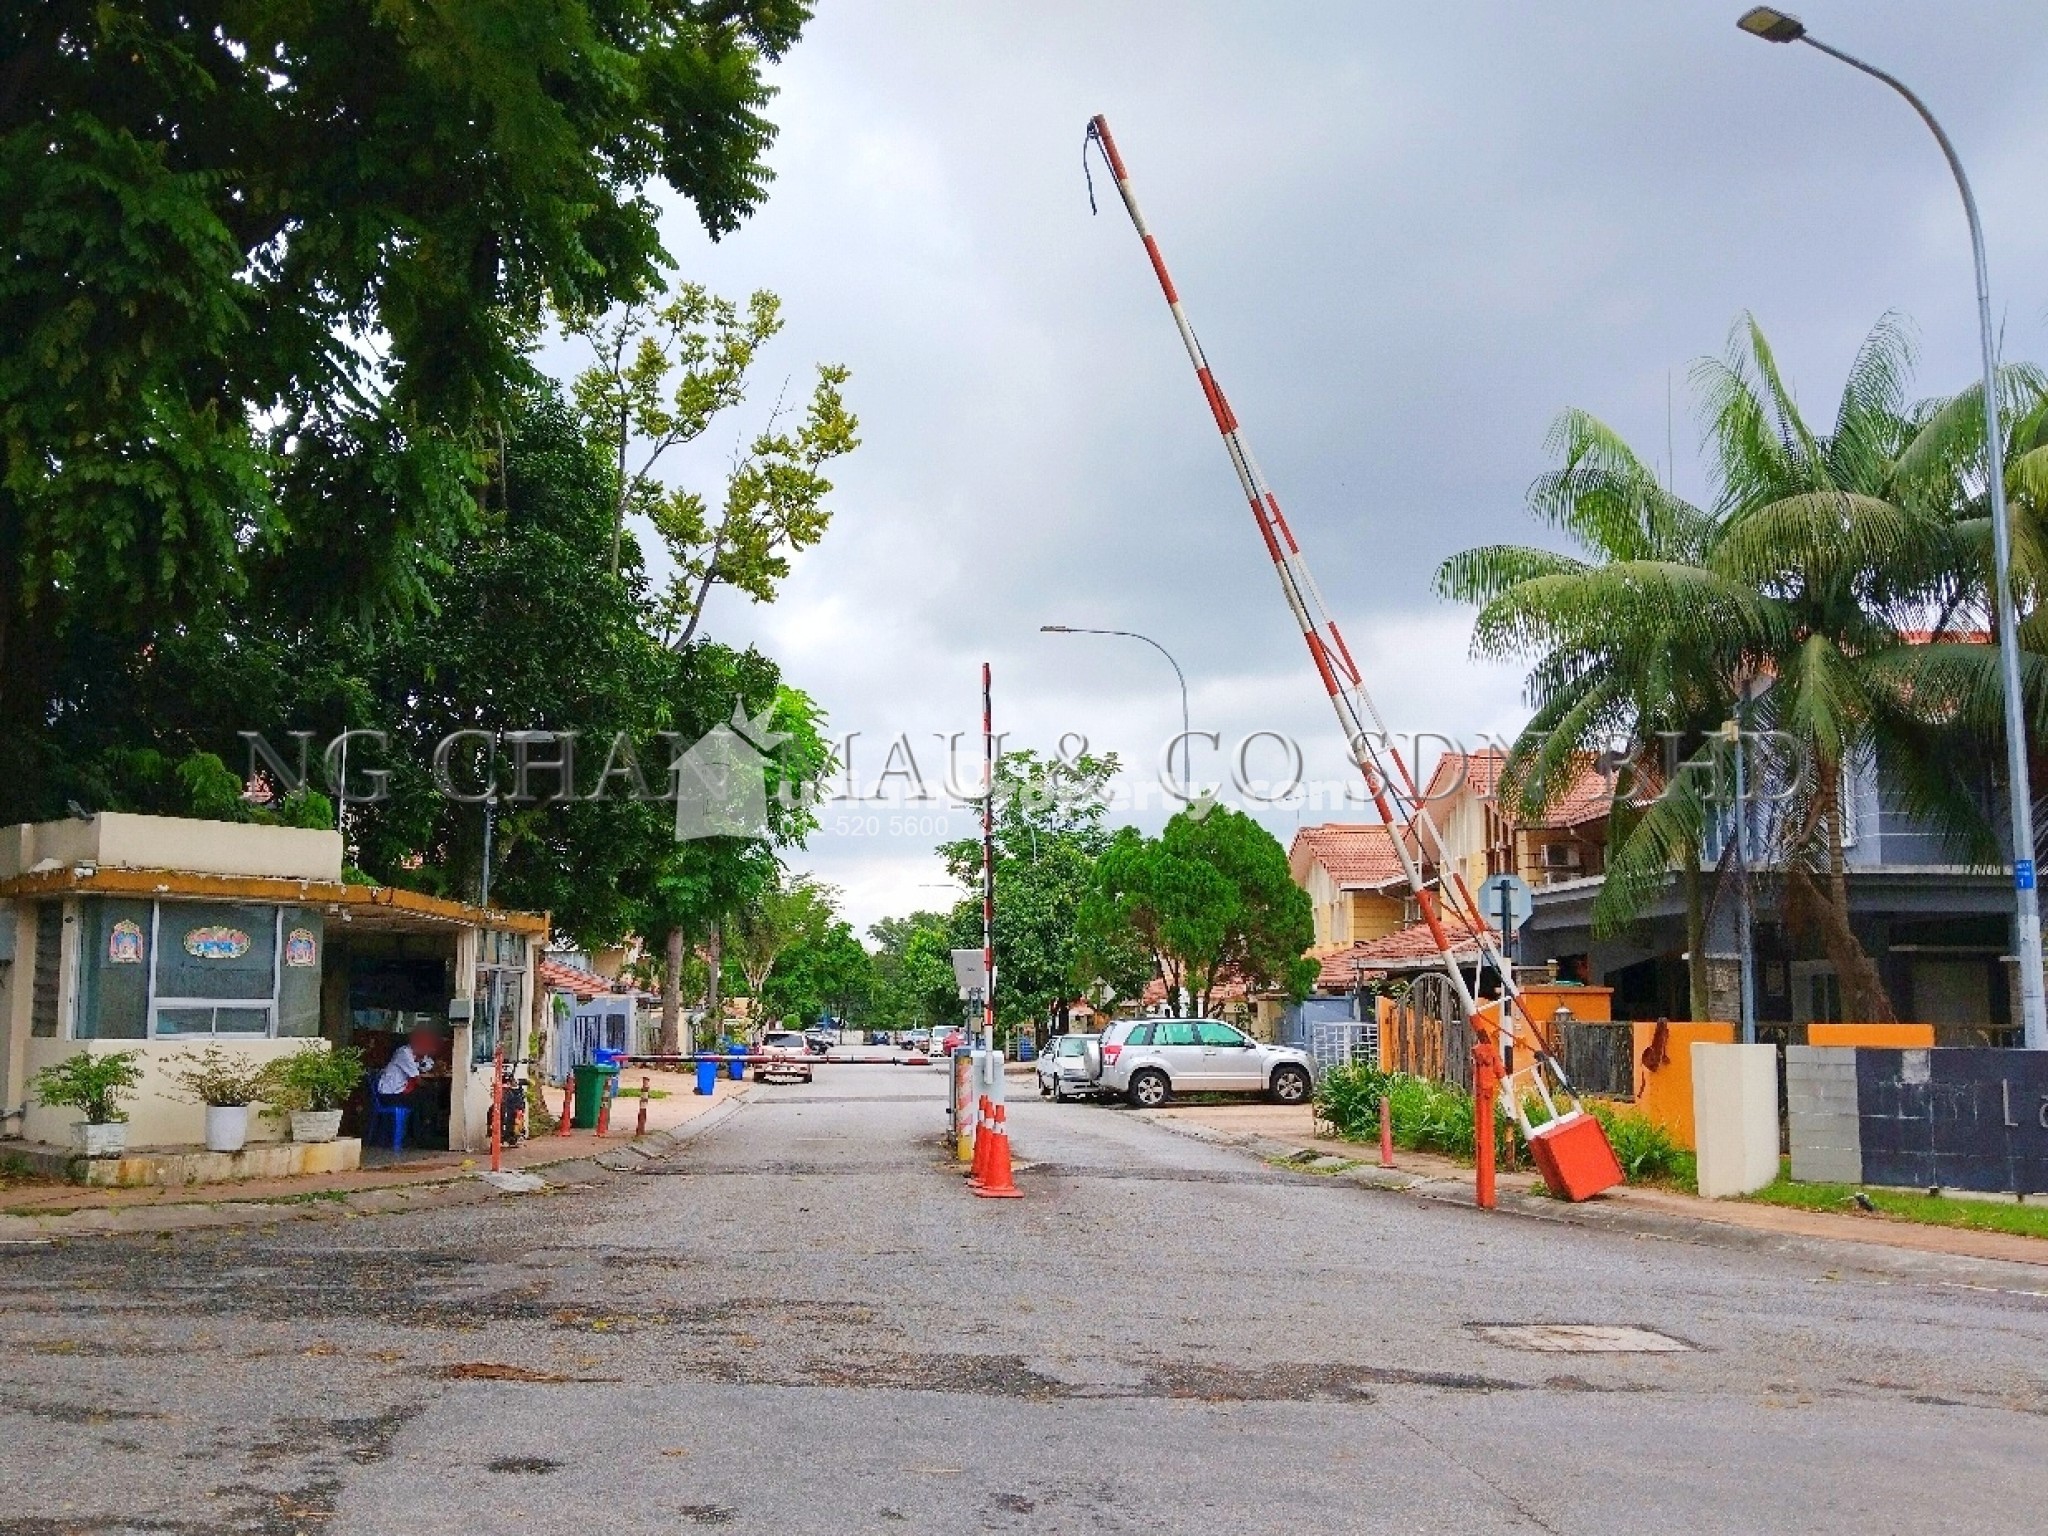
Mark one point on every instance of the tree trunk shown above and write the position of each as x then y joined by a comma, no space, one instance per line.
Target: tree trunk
672,993
1864,999
714,990
1698,1007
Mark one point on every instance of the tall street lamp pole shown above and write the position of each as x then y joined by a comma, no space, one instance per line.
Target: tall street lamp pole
1776,27
1187,754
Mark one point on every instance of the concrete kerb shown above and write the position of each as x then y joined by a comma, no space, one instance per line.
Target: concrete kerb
1902,1252
438,1187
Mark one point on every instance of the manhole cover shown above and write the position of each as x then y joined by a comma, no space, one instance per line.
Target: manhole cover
1579,1338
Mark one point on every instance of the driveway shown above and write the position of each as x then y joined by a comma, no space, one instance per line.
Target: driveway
799,1321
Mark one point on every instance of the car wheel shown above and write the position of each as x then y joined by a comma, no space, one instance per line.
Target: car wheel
1059,1092
1291,1085
1149,1089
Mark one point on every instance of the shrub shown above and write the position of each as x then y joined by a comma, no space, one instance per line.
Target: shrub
92,1083
312,1078
216,1078
1427,1116
1646,1151
1348,1099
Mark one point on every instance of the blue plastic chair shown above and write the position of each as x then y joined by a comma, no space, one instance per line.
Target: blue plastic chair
397,1111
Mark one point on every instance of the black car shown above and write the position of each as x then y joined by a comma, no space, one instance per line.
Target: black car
818,1041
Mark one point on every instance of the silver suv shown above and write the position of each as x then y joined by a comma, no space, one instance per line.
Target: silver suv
1150,1060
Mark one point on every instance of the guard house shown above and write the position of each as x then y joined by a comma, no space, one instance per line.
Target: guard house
159,934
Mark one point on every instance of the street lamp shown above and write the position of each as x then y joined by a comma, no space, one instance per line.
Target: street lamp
1187,751
1777,27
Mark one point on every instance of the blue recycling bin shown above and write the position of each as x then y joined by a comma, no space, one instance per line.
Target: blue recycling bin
604,1057
1026,1049
736,1066
707,1075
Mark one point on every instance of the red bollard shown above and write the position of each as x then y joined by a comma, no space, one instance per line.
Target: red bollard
1386,1133
640,1129
1486,1083
568,1104
604,1106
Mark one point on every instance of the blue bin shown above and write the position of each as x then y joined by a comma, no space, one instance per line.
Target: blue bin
1026,1050
603,1057
707,1075
736,1068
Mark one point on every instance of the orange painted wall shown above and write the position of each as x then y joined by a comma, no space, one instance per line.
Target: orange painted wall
1589,1005
1884,1037
1665,1095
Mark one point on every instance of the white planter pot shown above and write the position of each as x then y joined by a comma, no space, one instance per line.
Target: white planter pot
316,1124
227,1127
108,1140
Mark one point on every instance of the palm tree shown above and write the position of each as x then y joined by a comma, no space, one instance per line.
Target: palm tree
1628,636
1814,577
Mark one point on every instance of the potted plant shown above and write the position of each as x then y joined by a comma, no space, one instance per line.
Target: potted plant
311,1085
227,1085
95,1084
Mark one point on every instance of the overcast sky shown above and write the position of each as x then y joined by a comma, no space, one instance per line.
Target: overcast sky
1408,236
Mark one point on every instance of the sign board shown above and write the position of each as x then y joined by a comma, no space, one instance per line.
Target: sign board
1510,891
1949,1118
970,971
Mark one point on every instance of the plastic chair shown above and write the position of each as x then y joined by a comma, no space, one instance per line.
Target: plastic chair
395,1110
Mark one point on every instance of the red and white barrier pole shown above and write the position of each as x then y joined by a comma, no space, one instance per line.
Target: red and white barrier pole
498,1109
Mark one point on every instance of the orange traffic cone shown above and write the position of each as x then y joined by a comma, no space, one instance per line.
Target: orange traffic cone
997,1184
977,1170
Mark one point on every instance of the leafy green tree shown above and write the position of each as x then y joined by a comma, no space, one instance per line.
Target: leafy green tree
784,914
1209,899
271,272
913,972
826,974
660,377
1049,831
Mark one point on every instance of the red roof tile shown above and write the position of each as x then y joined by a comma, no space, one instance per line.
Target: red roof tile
563,977
1405,949
1358,854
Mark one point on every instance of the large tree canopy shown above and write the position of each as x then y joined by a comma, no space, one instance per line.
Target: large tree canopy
271,267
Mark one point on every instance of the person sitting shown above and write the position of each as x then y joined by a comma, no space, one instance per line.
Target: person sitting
401,1074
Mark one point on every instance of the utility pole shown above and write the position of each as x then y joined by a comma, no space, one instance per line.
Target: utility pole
1775,26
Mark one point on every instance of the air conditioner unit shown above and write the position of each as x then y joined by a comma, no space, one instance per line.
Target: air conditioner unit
1560,855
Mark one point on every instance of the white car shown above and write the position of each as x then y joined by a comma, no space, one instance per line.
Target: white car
1069,1065
1148,1061
784,1053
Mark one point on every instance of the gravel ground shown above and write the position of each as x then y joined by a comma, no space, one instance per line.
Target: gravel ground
799,1321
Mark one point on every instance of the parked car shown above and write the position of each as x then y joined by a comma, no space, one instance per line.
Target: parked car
952,1042
915,1040
1150,1060
1070,1065
784,1054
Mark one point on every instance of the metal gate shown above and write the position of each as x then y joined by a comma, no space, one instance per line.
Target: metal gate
1339,1045
1431,1036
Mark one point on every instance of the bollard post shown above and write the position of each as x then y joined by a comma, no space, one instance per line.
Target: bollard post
1486,1086
568,1103
604,1105
641,1128
1386,1133
498,1109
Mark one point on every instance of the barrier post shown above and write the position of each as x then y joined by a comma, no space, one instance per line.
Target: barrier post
568,1103
1386,1133
963,1102
604,1105
498,1109
640,1129
1486,1094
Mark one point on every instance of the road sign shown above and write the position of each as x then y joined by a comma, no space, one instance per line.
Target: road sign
1511,892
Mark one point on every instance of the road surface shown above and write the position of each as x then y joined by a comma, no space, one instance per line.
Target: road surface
800,1322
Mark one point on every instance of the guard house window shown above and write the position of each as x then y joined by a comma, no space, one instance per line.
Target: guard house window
229,968
500,992
47,982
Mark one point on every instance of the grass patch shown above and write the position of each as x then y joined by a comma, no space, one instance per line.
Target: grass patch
1909,1205
1433,1117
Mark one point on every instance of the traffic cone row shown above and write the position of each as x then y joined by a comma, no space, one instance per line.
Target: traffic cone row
983,1141
996,1182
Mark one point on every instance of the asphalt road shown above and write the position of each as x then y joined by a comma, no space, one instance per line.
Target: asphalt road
801,1322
